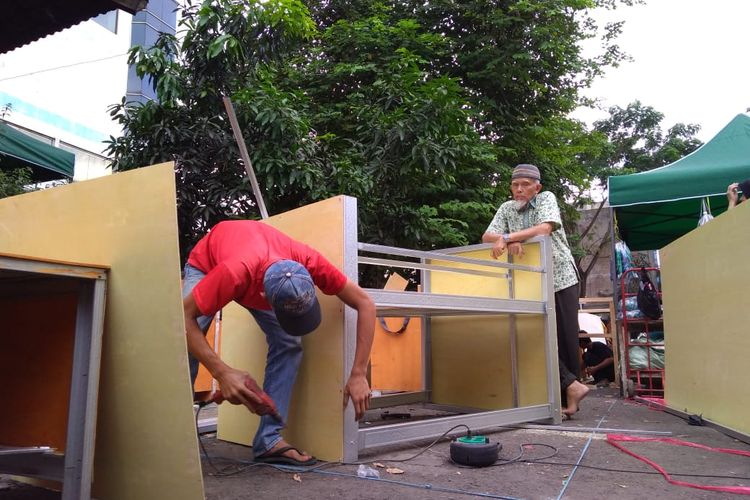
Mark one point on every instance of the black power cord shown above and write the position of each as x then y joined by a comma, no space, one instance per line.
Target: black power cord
246,465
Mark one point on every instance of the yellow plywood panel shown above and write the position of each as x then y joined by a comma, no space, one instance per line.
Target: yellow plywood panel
471,361
315,418
705,302
146,444
468,284
36,359
472,354
527,284
243,346
532,366
396,360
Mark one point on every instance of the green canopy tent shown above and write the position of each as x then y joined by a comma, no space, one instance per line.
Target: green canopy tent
47,162
654,208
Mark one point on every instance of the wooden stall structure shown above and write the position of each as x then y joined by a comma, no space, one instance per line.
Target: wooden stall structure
146,445
50,353
704,284
487,346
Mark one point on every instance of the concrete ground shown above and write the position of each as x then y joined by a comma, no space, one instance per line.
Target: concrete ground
570,473
433,476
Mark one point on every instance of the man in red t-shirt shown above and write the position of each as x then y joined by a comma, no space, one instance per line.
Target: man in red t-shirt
274,277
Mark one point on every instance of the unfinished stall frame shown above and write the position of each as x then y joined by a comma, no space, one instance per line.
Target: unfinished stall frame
22,277
431,305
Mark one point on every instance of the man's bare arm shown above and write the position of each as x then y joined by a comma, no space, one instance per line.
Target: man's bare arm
357,387
232,381
512,241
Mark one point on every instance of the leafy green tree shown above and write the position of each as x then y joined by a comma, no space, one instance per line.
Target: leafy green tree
631,140
417,109
637,142
232,48
13,181
398,136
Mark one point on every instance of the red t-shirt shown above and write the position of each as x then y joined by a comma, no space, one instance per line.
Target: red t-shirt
235,255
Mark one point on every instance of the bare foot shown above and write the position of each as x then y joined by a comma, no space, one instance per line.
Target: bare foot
575,393
292,453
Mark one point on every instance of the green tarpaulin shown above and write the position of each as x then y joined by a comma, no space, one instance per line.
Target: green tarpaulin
656,207
46,162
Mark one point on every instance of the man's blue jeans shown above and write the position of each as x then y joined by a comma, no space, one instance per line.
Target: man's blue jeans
282,364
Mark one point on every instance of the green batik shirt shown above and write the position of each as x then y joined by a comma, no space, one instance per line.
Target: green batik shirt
542,208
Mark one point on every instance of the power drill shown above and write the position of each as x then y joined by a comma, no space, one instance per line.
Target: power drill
267,407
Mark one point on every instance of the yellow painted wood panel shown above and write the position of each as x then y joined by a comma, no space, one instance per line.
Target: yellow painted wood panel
471,355
396,360
36,359
315,421
532,369
146,445
471,361
705,303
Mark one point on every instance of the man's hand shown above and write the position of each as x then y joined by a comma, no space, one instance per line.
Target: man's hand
234,389
515,248
498,248
732,194
358,390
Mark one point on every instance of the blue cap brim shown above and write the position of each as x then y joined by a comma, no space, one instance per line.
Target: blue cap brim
300,325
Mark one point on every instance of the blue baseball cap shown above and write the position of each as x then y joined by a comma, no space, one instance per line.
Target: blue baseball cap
291,292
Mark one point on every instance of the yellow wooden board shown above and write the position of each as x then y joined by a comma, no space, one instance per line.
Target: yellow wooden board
396,357
146,444
705,298
315,421
36,358
472,354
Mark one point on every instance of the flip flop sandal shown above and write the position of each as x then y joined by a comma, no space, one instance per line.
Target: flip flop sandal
278,458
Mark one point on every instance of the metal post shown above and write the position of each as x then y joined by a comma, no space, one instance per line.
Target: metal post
245,157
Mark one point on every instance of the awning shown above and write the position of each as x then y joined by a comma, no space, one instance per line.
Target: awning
656,207
47,162
24,21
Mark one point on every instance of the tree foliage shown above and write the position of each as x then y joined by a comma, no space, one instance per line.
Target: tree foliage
398,136
14,181
419,109
633,141
233,48
636,141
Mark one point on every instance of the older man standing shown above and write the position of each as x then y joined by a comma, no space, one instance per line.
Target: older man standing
535,213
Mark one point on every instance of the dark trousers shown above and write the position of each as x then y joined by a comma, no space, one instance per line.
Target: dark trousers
566,309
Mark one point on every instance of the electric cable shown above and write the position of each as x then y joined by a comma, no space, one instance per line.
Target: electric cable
401,460
522,448
246,464
628,471
44,70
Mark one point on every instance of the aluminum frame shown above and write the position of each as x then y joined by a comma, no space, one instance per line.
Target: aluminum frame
75,468
426,304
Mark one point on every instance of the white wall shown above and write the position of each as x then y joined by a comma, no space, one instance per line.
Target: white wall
61,86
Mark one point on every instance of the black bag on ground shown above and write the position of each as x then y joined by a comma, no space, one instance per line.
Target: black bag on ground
648,297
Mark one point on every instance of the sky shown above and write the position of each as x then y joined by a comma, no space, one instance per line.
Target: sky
690,62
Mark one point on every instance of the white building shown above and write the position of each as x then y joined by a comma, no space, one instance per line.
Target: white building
59,87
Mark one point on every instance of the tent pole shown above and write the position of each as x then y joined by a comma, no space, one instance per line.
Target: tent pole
614,325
